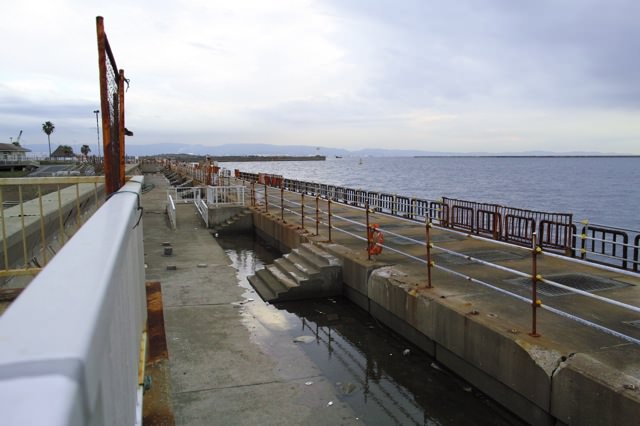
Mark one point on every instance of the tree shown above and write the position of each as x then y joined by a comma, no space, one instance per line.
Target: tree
63,151
48,128
85,150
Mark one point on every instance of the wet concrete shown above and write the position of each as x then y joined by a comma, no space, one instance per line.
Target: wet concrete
220,372
382,377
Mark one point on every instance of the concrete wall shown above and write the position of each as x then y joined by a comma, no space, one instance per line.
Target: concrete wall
71,343
281,236
527,376
219,215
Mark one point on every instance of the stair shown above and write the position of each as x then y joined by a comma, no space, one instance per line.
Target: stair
233,224
307,272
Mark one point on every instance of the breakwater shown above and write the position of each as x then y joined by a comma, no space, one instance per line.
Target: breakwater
471,315
565,373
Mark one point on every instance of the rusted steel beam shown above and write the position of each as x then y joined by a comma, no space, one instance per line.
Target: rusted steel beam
121,132
104,103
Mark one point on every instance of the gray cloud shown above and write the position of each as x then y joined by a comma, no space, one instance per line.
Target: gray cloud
545,52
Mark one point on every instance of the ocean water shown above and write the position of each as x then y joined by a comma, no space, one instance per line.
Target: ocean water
602,190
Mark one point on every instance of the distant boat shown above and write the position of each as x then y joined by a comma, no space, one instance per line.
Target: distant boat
338,156
360,162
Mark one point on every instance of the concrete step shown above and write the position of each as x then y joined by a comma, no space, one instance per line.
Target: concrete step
302,264
271,281
262,288
289,269
317,256
283,278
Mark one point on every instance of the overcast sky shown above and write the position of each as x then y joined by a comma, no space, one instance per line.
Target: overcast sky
464,75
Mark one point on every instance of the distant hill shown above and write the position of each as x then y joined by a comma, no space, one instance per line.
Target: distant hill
301,150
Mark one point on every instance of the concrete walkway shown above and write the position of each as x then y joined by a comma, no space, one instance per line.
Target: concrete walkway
219,371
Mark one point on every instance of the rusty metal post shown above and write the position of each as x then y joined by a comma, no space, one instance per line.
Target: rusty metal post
253,194
317,215
302,208
329,216
430,263
495,223
535,303
568,236
104,104
366,207
281,202
266,199
121,82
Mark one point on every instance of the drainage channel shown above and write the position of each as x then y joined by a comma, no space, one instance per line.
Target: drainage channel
381,376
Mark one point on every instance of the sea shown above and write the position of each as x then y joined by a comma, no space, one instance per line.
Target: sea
602,190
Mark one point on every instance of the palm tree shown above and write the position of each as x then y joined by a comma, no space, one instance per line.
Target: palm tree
85,150
48,128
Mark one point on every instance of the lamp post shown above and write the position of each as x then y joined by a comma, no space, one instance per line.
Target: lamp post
96,112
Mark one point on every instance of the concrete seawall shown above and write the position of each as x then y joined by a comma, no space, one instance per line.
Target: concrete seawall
572,374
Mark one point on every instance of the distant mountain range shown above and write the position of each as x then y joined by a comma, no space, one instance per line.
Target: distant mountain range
267,149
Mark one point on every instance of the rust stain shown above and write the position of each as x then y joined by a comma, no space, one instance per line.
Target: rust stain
155,323
157,403
9,294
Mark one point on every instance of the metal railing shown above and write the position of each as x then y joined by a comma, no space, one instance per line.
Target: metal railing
357,224
203,209
45,212
75,340
554,232
185,195
218,196
171,211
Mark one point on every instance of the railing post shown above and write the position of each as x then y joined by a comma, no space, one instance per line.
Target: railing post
302,208
366,208
495,223
281,202
535,303
24,235
317,215
430,263
329,216
266,199
253,194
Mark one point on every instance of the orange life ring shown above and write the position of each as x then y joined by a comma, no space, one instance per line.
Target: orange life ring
375,240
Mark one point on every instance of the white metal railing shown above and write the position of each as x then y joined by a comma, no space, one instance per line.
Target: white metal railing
225,195
72,349
185,195
216,196
203,209
171,211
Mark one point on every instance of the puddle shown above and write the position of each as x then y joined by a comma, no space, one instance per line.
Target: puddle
382,377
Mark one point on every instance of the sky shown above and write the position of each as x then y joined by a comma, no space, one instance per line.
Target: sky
455,76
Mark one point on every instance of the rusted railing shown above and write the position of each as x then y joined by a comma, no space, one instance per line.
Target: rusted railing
555,232
361,227
43,214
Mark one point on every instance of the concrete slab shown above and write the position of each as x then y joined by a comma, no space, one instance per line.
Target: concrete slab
231,360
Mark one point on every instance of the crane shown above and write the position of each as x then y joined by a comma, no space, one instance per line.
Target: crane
17,141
